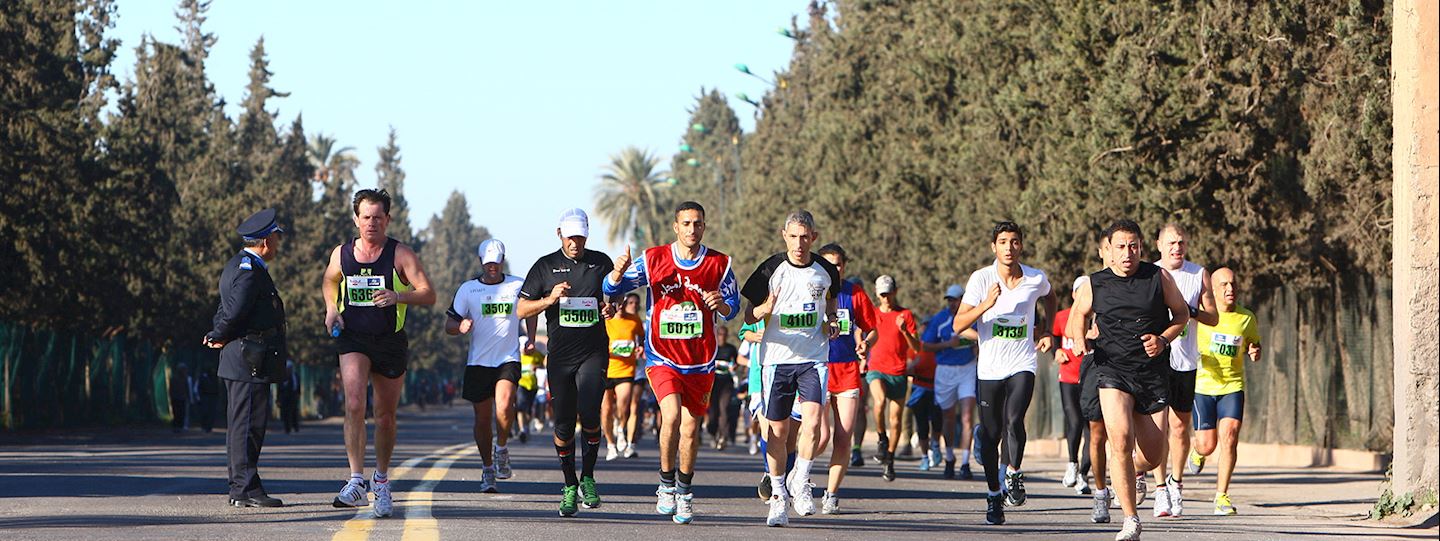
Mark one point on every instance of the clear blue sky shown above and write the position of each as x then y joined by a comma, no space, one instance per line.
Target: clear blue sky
516,104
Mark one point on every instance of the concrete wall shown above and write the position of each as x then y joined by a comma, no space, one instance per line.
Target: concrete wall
1415,54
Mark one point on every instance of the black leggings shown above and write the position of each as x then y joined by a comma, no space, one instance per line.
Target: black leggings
577,385
1002,411
928,419
1077,429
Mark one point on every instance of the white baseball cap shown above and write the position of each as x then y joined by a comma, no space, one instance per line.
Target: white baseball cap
574,223
492,251
884,284
955,291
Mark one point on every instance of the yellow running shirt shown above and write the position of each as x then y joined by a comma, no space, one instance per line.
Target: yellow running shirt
1223,352
528,363
625,339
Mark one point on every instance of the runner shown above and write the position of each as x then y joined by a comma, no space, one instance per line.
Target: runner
1129,300
792,288
720,420
368,284
531,361
565,285
486,305
954,379
1001,298
625,331
895,345
922,406
691,287
1090,397
1077,433
1220,385
857,329
1194,284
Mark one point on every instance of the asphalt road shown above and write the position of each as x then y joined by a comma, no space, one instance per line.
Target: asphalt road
147,483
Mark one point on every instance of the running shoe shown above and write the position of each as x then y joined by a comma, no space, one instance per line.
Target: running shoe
502,463
589,497
830,504
1196,463
383,502
665,500
1162,501
568,496
1223,505
965,473
995,509
1082,485
487,481
1072,471
524,436
684,509
629,451
1130,531
856,460
356,493
1177,501
754,447
887,470
778,515
765,489
1140,489
802,496
1100,513
925,462
1015,489
611,453
949,469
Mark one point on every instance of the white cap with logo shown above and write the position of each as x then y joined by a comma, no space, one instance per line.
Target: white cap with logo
492,251
884,284
574,223
955,291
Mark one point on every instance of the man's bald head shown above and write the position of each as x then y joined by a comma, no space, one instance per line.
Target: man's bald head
1222,282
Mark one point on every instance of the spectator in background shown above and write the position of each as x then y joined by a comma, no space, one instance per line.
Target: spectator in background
290,398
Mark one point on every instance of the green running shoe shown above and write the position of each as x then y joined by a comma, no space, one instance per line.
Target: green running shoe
589,497
567,501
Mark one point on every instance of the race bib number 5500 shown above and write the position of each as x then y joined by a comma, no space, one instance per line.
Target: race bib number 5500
579,312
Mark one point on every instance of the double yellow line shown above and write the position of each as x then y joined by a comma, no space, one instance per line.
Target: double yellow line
419,524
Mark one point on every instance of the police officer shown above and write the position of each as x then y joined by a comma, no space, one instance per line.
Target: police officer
249,329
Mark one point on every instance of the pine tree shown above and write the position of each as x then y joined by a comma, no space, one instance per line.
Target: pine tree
391,178
450,258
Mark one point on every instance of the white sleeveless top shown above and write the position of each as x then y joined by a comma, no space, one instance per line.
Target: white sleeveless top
1190,280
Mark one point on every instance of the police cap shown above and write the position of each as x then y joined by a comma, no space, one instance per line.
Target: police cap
259,225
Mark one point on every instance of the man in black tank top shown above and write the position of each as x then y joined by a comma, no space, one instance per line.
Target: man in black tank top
1139,311
566,286
368,284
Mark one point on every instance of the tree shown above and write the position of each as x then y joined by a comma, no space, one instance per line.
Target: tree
707,167
391,178
629,198
450,258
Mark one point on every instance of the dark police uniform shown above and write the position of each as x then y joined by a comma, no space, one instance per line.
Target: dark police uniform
251,324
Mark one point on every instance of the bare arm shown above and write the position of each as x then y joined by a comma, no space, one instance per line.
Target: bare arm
528,309
414,273
1209,313
330,289
1047,340
1079,314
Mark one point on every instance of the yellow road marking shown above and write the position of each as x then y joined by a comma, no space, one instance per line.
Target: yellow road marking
358,527
419,524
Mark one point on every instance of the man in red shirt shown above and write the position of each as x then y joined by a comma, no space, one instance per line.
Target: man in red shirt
895,344
1076,428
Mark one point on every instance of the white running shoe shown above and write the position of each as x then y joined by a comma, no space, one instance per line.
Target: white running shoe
502,463
487,480
802,496
830,504
1100,513
754,446
629,451
1072,471
1082,484
1131,530
665,500
778,515
1162,501
684,509
354,494
1177,501
383,502
611,453
1140,489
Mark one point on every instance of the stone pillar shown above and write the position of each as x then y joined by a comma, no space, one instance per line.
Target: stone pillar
1414,57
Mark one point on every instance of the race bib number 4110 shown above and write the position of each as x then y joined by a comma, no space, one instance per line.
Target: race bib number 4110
804,318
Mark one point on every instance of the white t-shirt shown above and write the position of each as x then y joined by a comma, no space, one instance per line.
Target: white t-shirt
795,331
1007,330
1185,352
494,328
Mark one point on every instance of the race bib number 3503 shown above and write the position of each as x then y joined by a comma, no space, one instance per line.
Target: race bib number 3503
579,312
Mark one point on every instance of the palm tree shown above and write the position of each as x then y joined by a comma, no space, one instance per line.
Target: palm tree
330,161
630,195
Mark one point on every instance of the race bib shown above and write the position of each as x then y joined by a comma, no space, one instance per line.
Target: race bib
802,317
579,312
622,348
682,322
361,290
497,309
1225,345
843,317
1010,328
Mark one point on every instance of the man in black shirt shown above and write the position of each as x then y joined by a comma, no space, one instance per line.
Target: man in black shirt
566,286
722,418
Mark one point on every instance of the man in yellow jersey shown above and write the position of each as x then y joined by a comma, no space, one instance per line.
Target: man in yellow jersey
1220,384
368,284
626,333
531,360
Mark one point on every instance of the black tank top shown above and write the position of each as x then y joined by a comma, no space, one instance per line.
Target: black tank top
1126,308
358,287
